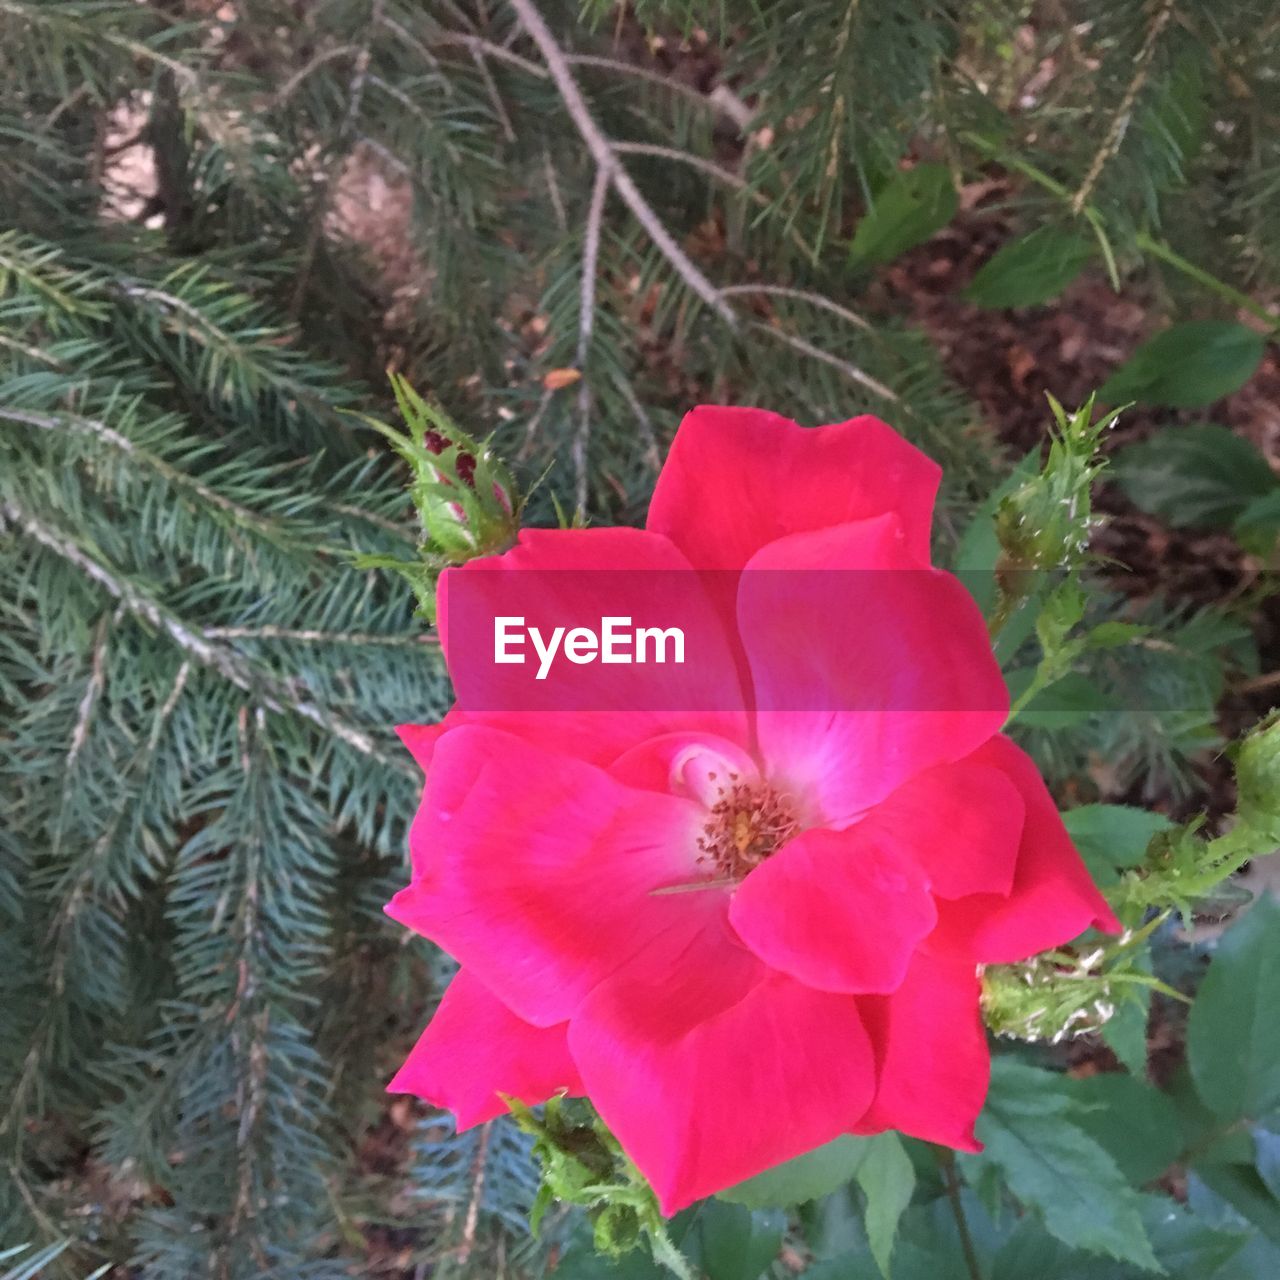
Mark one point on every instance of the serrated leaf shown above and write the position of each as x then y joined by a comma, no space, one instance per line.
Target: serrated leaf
1188,366
1132,1121
1031,270
816,1173
887,1179
907,210
1065,703
1031,1251
1054,1167
1126,1032
1110,836
1233,1035
1199,476
1188,1248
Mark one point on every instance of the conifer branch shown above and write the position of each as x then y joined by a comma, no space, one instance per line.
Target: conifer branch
1120,119
355,97
586,324
814,299
847,367
174,475
603,153
271,692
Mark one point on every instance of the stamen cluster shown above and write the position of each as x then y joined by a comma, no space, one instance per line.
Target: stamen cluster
749,821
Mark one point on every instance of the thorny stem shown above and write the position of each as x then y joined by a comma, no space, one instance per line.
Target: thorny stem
947,1163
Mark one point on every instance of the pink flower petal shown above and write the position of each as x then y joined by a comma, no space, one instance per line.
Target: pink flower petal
720,1069
932,1058
575,577
1053,898
421,740
867,669
697,765
736,479
538,871
962,824
838,910
475,1048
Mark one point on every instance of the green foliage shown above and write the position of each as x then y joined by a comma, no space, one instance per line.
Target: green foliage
1033,269
1233,1043
1135,1123
1188,366
204,643
583,1164
728,1242
887,1179
1202,475
1041,527
807,1177
907,210
1112,837
878,1165
1053,1165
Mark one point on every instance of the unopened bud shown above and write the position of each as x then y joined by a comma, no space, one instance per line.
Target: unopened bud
1258,778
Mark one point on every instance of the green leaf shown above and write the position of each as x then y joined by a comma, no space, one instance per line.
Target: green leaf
729,1242
1242,1188
1112,835
816,1173
1054,1167
582,1262
1126,1031
1132,1121
1233,1035
907,210
1258,525
1031,1251
887,1179
1201,476
1187,366
1188,1248
1065,703
1258,780
1031,270
1267,1150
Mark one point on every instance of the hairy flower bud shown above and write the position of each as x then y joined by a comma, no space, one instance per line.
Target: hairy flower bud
467,502
1258,778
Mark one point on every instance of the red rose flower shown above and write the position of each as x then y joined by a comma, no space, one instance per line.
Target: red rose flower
855,867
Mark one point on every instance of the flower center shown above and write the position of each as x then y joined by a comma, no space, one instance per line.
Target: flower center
748,821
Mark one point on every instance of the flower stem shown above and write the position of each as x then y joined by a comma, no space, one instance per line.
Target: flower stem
947,1163
1141,240
666,1254
1158,249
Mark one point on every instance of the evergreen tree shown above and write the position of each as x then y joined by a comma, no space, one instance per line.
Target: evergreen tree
610,216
